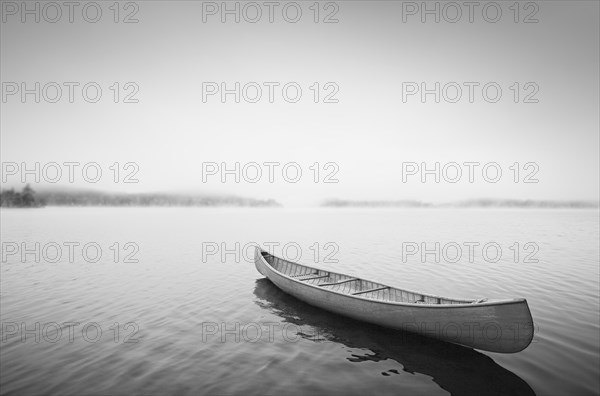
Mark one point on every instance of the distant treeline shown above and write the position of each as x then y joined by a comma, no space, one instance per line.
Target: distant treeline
476,203
25,199
339,203
528,203
92,198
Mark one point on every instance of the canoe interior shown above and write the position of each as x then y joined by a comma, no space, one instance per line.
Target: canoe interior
350,285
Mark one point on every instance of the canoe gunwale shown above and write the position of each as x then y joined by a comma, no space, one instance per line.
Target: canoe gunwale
473,304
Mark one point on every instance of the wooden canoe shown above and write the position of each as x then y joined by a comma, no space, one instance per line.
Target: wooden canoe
502,326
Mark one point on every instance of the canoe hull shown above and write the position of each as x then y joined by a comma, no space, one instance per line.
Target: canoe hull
504,326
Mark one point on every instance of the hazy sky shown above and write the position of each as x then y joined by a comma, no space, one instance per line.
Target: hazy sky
368,54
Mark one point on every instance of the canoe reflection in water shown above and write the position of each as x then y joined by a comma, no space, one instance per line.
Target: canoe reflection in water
456,369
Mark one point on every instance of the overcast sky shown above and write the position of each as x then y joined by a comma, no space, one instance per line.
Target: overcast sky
368,55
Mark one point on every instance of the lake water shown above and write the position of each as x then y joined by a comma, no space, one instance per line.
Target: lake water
183,319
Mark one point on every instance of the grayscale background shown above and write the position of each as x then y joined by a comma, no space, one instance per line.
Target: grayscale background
157,221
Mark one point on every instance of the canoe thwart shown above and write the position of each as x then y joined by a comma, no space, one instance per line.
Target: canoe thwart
338,283
316,277
371,290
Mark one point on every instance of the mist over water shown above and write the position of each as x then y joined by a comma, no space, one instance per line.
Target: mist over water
153,314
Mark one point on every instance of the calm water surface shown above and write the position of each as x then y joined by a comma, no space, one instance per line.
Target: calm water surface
178,322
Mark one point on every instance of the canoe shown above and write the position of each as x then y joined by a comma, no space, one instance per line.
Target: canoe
456,369
504,326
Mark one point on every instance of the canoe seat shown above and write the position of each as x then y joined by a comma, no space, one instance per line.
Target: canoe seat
299,275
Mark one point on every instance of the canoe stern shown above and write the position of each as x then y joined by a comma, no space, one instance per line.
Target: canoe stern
259,261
